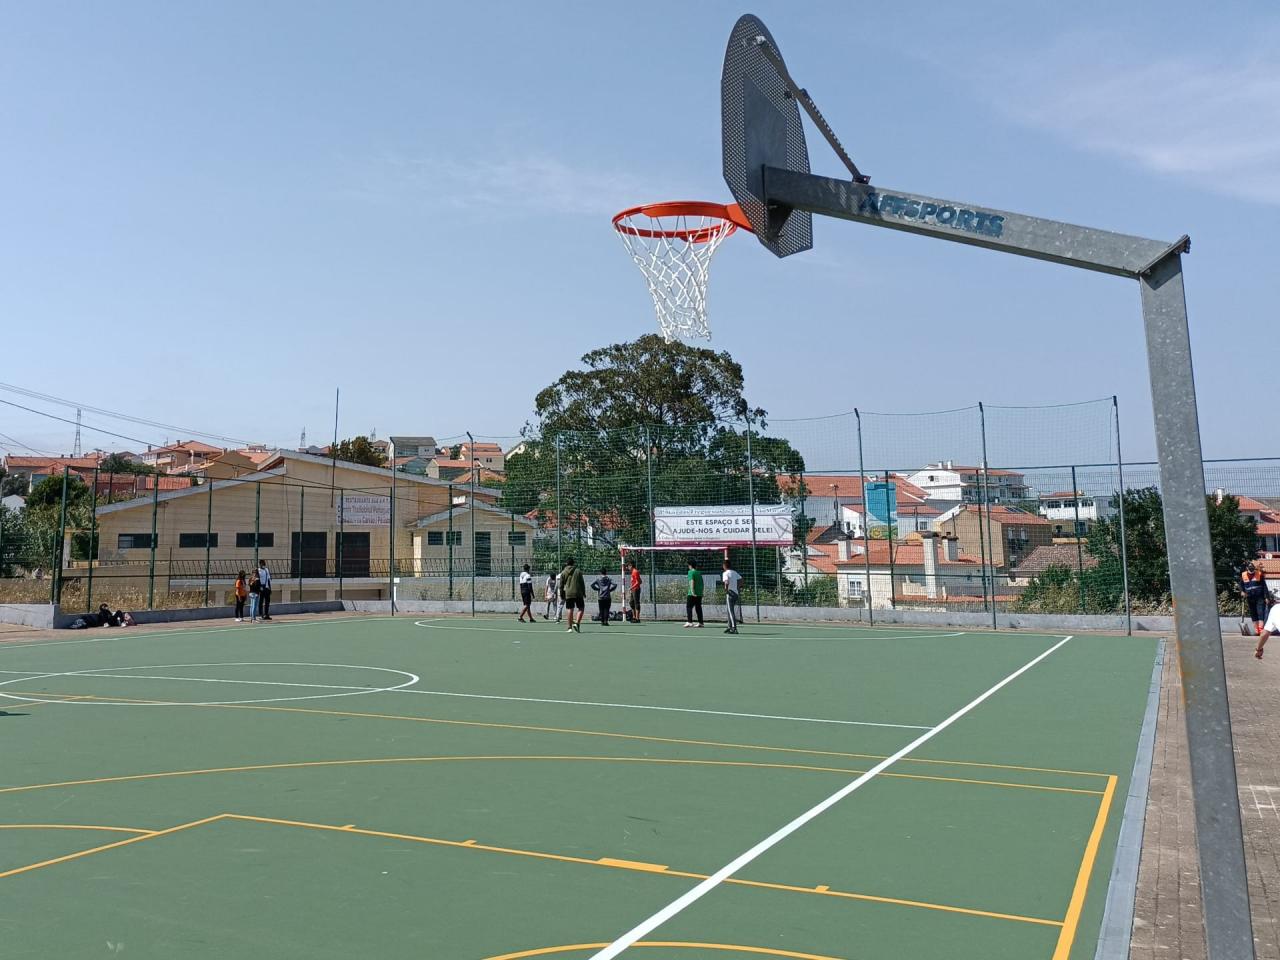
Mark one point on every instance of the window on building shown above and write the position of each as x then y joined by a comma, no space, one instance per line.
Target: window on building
435,538
133,541
245,540
187,541
516,538
455,538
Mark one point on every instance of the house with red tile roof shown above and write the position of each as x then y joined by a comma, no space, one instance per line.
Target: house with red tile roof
1003,535
35,469
180,457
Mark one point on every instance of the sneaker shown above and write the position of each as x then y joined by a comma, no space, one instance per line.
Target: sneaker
699,626
568,629
577,628
688,625
239,619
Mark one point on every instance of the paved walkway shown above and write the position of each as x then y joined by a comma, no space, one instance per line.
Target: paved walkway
1167,924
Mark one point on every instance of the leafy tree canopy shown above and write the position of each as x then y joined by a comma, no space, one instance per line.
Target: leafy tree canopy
359,450
647,381
119,463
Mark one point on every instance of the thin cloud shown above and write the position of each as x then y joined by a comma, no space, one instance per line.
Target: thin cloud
520,185
1215,122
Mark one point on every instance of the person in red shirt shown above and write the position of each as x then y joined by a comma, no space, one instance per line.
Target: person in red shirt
633,592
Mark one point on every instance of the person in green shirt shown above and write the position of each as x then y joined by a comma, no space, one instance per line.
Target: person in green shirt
574,592
693,597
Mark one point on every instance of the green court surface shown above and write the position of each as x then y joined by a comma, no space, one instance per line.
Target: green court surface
482,789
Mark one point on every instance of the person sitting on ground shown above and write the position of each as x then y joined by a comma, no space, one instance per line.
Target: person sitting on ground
106,618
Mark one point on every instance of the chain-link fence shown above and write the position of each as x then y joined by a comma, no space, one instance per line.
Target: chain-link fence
982,509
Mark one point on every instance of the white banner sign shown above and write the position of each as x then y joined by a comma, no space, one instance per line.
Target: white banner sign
361,511
722,526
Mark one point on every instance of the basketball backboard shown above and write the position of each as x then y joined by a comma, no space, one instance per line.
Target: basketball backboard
761,127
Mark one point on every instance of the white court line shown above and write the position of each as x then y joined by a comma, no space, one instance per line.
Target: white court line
123,633
737,863
351,691
446,624
404,689
647,706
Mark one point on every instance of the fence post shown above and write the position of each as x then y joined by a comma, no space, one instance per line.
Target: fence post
985,494
257,520
59,548
342,522
93,540
893,572
653,577
391,541
449,537
1075,498
302,533
155,512
208,533
751,495
1124,544
511,542
866,543
804,539
559,515
471,506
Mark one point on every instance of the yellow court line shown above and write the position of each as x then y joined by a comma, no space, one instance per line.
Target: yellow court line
640,867
304,764
671,944
1063,950
599,733
69,826
107,846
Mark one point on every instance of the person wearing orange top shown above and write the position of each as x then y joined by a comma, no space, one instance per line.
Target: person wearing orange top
241,594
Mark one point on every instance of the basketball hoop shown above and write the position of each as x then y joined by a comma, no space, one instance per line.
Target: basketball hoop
672,244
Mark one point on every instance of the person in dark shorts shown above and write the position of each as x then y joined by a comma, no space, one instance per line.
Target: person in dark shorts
633,592
693,596
604,588
1253,584
574,591
526,595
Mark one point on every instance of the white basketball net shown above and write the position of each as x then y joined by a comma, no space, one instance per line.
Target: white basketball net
674,254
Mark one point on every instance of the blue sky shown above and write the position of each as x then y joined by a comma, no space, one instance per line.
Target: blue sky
215,214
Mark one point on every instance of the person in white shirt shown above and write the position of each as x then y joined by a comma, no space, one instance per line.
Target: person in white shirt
553,595
526,594
731,580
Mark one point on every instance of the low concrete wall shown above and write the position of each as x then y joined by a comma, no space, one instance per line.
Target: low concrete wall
37,615
191,614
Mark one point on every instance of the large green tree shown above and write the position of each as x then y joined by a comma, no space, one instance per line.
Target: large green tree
1232,538
359,450
119,463
646,421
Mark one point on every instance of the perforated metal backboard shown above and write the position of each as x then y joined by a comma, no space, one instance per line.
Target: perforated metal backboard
760,126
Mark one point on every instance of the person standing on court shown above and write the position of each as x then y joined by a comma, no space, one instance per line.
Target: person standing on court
693,597
255,595
264,589
1253,584
573,592
526,594
731,580
604,588
633,592
553,595
241,591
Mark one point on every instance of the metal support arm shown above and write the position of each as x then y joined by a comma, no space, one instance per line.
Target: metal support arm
1157,265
